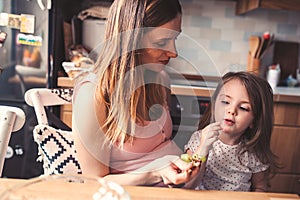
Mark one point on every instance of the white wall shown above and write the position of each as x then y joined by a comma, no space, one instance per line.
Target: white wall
214,40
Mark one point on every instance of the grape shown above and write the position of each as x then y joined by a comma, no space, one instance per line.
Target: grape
196,157
186,157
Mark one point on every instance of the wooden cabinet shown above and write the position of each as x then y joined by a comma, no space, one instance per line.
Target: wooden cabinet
66,114
66,110
243,6
285,144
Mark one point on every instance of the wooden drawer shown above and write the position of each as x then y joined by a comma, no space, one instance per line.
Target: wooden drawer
285,144
285,183
287,114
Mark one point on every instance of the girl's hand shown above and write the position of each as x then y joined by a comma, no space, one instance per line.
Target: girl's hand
179,172
208,136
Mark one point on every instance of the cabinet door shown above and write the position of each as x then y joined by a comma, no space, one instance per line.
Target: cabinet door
285,143
285,183
287,114
66,114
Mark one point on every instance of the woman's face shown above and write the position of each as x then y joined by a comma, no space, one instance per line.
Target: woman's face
158,45
233,109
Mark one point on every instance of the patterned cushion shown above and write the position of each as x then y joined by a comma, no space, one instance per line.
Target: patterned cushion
56,150
63,93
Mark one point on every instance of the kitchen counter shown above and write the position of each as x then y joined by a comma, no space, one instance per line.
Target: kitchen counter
71,190
287,94
281,94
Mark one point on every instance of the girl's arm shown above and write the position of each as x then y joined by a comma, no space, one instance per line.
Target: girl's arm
259,182
208,136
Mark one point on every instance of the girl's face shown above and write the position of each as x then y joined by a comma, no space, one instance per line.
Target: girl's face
233,109
158,45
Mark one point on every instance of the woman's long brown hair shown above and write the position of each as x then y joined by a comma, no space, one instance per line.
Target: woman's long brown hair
121,85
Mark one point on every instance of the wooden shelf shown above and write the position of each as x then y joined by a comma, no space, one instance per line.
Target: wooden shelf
65,82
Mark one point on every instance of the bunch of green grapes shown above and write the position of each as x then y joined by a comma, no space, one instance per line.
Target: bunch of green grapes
195,158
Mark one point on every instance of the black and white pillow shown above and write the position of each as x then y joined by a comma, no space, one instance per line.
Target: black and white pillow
56,150
63,93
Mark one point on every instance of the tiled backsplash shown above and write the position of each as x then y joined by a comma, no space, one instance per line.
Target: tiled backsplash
214,40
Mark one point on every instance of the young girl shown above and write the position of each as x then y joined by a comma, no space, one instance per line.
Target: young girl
235,133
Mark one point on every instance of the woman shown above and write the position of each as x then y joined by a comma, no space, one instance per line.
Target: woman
121,121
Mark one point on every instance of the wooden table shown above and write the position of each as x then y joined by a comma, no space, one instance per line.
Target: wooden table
141,193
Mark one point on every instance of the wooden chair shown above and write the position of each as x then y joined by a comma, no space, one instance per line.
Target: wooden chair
12,119
40,98
55,145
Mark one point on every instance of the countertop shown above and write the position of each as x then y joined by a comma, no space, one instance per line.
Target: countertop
82,190
281,94
287,94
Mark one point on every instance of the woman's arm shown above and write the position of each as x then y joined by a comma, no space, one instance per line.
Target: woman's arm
94,157
93,167
89,140
176,172
259,182
147,178
88,164
170,170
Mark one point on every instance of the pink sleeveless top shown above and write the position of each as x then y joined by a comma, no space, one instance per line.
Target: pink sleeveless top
152,141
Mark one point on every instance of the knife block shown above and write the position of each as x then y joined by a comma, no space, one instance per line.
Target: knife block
253,65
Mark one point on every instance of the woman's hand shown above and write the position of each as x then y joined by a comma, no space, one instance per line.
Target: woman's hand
179,172
208,136
170,170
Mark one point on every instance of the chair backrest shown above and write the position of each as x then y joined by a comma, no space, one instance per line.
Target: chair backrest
12,119
55,146
41,97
